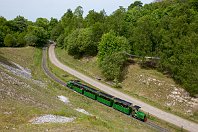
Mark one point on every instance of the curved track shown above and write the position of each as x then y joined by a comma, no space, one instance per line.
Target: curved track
168,117
46,70
56,79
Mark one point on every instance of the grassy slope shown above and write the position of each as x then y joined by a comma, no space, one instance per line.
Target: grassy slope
148,85
22,100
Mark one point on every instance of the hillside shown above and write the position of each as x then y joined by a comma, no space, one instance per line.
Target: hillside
150,86
27,93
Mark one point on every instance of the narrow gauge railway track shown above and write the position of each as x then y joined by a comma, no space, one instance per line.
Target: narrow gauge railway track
56,79
46,70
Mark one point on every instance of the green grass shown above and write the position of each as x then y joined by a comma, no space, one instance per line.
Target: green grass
60,72
133,84
19,103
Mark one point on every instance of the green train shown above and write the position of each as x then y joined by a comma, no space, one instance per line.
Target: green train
109,100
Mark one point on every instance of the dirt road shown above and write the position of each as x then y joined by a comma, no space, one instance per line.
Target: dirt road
178,121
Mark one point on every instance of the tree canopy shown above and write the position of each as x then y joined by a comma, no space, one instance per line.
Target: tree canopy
167,29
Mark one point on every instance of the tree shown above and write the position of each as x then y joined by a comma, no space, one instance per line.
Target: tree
94,17
37,34
97,30
42,22
135,4
56,31
111,43
9,40
60,41
66,19
67,22
116,22
2,36
31,39
111,55
21,40
2,21
144,41
112,65
20,23
78,17
78,11
53,22
80,42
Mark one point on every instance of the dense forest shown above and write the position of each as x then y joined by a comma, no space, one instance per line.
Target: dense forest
167,29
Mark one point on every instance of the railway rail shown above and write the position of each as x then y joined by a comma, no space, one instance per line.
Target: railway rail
56,79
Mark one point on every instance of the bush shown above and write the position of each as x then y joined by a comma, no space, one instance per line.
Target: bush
111,55
9,40
80,42
112,65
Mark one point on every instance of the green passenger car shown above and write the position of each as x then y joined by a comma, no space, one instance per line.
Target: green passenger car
105,99
122,105
90,92
75,86
78,89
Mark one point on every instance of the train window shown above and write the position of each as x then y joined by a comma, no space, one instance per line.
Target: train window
105,97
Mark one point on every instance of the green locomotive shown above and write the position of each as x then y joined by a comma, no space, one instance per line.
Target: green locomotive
109,100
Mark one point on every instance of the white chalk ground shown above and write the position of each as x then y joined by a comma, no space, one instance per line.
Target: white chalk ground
52,119
22,72
83,111
64,99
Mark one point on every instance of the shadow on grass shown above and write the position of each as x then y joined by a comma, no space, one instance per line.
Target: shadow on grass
125,69
149,65
4,60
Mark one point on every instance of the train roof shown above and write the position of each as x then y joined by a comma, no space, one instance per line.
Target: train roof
90,89
122,101
85,86
105,95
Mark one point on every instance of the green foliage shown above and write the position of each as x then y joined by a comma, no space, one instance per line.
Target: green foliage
42,22
20,24
53,22
111,55
135,4
21,40
31,39
56,31
36,36
71,21
111,43
80,42
116,22
9,40
112,65
94,17
60,40
2,36
78,11
165,29
97,30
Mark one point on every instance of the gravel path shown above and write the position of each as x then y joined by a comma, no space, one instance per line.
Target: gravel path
176,120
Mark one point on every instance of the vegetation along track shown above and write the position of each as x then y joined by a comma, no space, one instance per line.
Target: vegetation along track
56,79
168,117
46,70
